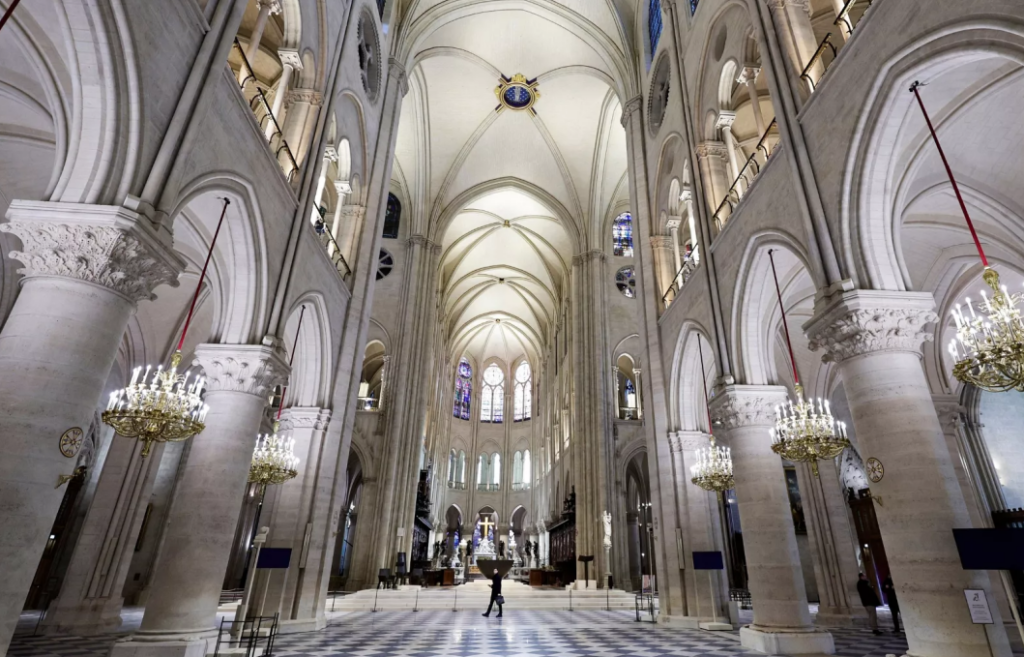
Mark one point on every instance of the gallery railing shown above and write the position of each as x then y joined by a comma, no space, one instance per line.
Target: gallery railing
457,485
751,169
521,486
333,250
488,487
827,51
265,119
682,276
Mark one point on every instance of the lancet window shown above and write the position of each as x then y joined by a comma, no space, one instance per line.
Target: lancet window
492,395
463,390
622,235
523,396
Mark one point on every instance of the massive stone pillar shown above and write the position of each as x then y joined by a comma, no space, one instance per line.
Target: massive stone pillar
86,267
833,546
796,35
782,620
875,338
706,597
664,260
182,610
713,160
90,597
299,520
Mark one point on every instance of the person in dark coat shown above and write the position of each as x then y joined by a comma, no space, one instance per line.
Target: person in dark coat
870,600
889,591
495,594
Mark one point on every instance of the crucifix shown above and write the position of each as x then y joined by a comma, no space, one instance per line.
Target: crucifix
486,524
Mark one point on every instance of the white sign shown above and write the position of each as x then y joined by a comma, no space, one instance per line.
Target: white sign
978,604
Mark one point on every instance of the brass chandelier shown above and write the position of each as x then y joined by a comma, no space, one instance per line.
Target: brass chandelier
162,406
805,431
988,350
713,470
274,461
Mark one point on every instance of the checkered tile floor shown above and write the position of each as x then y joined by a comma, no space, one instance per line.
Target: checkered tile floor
520,633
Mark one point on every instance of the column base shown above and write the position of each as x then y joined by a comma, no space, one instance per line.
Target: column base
85,619
787,642
838,619
302,625
713,626
685,622
166,644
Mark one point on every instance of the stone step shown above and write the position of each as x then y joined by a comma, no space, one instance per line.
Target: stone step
468,596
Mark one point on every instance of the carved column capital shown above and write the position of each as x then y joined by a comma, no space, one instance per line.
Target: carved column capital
663,242
949,410
588,256
867,321
688,441
106,245
747,406
249,369
421,241
353,212
710,149
778,5
673,222
331,153
633,106
312,417
272,6
311,97
748,75
725,120
290,58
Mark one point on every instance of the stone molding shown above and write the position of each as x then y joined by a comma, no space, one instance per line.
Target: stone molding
422,241
740,406
309,96
106,245
949,409
353,212
588,256
868,321
708,149
249,369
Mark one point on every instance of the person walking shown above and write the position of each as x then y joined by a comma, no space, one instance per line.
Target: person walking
889,592
495,594
870,600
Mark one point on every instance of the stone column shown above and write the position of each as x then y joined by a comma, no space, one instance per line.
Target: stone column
796,35
748,78
343,188
724,124
677,255
300,111
663,261
90,597
833,546
713,159
181,613
706,597
875,338
85,269
290,62
352,219
267,7
950,411
299,520
782,620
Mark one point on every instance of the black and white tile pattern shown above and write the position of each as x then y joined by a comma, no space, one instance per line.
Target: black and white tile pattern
520,633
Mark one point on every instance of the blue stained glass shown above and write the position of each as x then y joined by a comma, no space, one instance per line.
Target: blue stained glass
622,235
463,390
654,24
693,6
392,217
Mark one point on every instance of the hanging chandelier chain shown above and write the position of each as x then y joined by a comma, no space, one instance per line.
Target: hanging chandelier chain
707,400
785,322
915,89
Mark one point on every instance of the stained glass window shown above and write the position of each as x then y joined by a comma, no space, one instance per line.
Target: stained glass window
523,397
517,469
452,467
392,217
622,235
654,23
625,280
460,476
492,395
527,467
693,6
496,470
385,263
463,390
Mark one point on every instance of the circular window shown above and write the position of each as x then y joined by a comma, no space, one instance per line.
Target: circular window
517,93
660,89
625,280
385,263
369,56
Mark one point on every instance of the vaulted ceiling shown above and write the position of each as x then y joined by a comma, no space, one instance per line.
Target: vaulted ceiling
466,168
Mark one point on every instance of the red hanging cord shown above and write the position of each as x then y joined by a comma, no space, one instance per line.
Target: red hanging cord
785,324
291,359
7,14
949,171
202,276
704,382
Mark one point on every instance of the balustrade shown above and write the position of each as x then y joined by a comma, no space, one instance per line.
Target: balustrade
265,119
750,170
323,232
827,51
682,276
